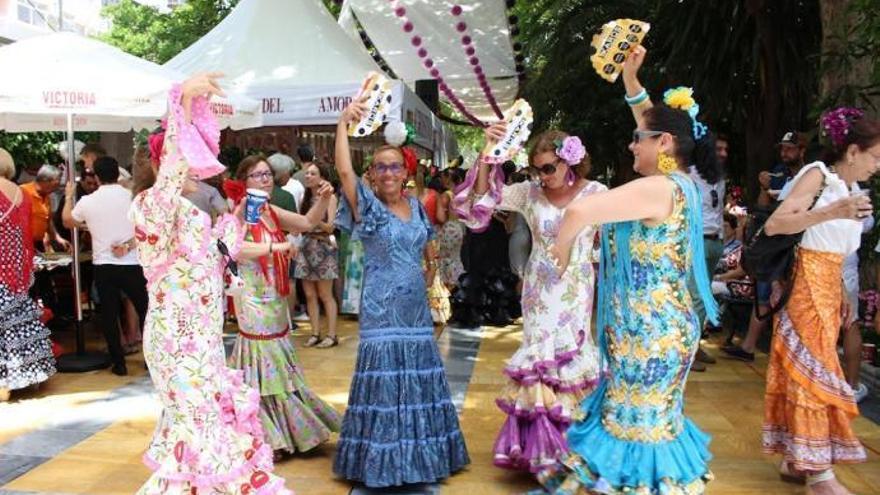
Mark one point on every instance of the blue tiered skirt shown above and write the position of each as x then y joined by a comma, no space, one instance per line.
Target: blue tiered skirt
598,462
400,426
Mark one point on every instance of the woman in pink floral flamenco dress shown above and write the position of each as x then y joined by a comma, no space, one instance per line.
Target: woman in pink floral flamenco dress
209,439
557,364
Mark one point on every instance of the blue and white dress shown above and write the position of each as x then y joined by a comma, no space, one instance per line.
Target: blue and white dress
400,426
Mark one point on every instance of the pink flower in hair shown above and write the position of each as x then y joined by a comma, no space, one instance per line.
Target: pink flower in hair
836,124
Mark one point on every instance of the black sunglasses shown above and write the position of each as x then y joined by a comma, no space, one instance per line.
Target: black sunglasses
231,264
547,169
638,135
714,195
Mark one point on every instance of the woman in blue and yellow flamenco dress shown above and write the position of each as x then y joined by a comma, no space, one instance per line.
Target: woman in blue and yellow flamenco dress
632,436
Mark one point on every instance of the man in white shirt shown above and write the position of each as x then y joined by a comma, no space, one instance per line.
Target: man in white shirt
713,218
116,267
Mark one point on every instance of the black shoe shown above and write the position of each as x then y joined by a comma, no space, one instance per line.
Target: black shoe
737,352
294,326
704,357
119,369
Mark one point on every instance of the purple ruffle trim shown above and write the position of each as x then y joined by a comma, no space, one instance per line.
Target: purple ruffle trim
476,213
538,371
529,445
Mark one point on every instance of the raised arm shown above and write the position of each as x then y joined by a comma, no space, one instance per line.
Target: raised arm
294,222
634,89
352,113
154,212
647,199
492,135
795,215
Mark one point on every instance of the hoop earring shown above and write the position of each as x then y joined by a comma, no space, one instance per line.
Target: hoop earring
666,164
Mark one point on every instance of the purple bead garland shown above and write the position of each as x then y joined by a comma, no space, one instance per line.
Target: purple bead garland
416,41
470,51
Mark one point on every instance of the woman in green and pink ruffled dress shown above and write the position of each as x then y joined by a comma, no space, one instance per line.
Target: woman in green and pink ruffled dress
294,418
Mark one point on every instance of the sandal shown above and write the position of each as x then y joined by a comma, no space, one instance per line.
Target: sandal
313,340
789,475
328,342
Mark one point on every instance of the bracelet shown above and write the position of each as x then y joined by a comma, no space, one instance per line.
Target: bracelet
637,99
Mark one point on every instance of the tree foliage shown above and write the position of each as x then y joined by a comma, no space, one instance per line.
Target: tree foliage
752,63
31,149
156,36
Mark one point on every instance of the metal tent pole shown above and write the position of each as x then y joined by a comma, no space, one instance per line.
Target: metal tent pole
81,360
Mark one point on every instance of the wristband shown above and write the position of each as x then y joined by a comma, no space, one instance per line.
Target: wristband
637,99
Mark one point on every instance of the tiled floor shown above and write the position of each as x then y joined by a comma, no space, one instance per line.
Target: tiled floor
84,434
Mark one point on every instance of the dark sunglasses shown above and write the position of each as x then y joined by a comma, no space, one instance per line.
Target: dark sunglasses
231,264
714,195
638,135
547,169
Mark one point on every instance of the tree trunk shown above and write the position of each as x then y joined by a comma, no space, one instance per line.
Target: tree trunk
764,108
834,25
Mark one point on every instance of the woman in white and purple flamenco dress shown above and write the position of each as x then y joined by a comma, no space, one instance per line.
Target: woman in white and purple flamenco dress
557,364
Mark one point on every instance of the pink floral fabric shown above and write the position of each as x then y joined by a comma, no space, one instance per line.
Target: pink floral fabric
209,439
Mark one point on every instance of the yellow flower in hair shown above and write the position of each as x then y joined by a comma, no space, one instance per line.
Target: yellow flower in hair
681,98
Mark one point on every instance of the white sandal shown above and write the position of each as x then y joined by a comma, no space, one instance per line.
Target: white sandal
789,475
821,477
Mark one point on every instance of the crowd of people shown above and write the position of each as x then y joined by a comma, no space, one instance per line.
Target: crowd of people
592,403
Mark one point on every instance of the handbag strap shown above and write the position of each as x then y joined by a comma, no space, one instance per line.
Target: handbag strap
783,300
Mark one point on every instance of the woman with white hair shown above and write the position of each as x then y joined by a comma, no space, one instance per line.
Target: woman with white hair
25,350
283,167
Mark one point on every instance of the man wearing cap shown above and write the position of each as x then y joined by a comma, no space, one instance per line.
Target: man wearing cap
791,147
774,183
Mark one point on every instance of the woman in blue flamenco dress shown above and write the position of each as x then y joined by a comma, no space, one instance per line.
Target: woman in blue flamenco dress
633,437
401,426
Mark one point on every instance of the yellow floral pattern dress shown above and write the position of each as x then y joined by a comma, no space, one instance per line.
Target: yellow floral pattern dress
634,437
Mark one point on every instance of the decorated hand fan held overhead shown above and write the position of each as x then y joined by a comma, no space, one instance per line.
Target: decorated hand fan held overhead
612,45
377,88
519,120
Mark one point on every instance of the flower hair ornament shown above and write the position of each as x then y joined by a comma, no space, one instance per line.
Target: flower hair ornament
571,150
682,98
836,124
402,135
155,142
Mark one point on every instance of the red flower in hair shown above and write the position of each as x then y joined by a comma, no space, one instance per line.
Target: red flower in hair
234,189
410,160
156,140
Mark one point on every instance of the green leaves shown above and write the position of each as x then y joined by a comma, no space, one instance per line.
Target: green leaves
144,31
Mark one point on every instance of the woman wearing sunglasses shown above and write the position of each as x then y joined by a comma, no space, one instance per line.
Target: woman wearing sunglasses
556,365
294,418
400,426
634,436
209,438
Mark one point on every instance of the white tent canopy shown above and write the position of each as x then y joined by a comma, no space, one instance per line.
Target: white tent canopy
104,88
288,53
294,57
433,22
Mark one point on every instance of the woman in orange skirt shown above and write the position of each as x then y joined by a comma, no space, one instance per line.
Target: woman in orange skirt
808,404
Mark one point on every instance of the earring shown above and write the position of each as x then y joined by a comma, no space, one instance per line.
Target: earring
666,164
570,177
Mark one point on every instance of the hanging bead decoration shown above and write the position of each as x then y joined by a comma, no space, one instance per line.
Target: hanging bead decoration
469,50
416,41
